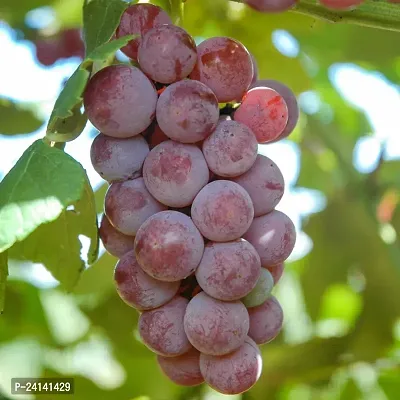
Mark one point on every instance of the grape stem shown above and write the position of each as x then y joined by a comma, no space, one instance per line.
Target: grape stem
372,13
176,13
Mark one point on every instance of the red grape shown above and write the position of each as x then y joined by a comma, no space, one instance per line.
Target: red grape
137,20
265,112
167,54
231,149
168,246
225,66
183,370
233,373
162,329
187,111
229,271
261,291
264,183
271,6
174,173
265,321
276,271
120,101
117,159
115,242
215,327
290,100
139,290
273,235
128,204
222,211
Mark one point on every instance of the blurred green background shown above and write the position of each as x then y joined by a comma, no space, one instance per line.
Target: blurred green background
341,287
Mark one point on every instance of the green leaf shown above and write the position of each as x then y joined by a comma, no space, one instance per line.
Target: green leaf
15,119
3,278
67,121
38,188
100,20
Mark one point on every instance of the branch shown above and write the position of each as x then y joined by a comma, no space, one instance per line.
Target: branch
372,13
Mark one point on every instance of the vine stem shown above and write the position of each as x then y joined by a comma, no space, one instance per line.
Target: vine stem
372,13
176,7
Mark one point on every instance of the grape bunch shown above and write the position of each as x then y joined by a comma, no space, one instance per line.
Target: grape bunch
277,6
190,210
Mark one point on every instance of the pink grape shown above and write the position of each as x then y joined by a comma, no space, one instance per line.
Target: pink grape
215,327
139,290
264,183
290,100
222,211
261,291
162,329
128,204
271,6
183,370
117,159
115,242
266,321
174,173
120,101
273,235
341,4
225,66
233,373
187,111
137,20
265,112
168,246
276,271
167,54
231,149
229,271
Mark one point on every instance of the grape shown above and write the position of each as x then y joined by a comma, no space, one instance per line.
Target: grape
139,290
120,101
128,204
273,236
167,54
117,159
225,66
231,149
265,112
174,173
168,246
271,6
187,111
162,329
115,242
266,321
215,327
341,4
233,373
276,271
137,20
290,100
264,183
183,370
222,211
229,271
261,291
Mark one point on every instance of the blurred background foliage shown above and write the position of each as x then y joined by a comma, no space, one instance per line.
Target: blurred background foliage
341,288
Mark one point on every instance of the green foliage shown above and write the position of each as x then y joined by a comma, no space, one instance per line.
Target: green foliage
3,278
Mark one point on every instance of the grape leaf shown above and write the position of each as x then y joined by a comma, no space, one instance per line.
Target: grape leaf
67,121
100,20
38,188
3,278
56,244
15,119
